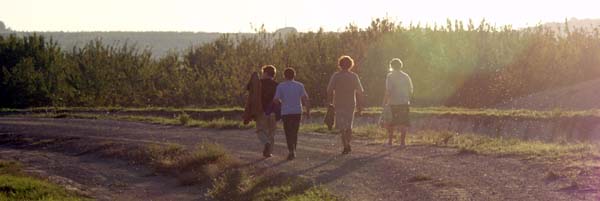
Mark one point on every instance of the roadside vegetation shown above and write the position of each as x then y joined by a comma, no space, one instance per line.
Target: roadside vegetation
475,143
179,120
371,111
459,63
16,185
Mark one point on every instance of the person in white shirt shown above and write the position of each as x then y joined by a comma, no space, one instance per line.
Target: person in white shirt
398,92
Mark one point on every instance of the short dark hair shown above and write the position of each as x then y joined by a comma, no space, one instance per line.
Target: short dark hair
345,62
269,69
289,73
396,64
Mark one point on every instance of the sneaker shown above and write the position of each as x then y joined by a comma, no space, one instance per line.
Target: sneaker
267,151
291,156
346,150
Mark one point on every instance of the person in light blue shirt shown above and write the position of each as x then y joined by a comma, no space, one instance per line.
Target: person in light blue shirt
292,95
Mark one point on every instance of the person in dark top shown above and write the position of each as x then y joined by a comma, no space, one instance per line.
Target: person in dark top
266,122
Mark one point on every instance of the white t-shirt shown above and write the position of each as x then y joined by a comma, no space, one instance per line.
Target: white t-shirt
399,87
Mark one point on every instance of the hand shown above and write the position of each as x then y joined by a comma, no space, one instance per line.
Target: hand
359,111
306,115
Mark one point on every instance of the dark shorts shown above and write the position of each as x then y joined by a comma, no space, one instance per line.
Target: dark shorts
400,115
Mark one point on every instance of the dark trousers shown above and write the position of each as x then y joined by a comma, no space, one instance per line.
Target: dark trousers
291,124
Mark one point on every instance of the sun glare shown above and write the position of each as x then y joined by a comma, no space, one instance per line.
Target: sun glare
243,16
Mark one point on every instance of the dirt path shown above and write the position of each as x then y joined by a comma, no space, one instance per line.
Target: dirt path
372,172
101,179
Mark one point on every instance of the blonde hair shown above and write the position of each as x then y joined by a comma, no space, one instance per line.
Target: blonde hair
345,62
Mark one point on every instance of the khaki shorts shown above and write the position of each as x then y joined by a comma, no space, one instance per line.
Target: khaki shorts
400,115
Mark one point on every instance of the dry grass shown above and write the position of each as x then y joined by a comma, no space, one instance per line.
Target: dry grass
181,119
479,144
415,111
239,184
205,162
419,178
505,146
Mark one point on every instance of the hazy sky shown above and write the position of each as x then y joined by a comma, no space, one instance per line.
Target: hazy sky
238,15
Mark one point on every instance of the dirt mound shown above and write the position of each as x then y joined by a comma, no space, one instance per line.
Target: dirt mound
582,96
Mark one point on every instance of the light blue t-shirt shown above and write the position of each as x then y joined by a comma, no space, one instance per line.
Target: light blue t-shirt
290,94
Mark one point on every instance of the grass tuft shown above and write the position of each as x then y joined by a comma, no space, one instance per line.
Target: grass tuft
506,146
419,178
221,123
15,185
181,119
205,162
184,118
239,184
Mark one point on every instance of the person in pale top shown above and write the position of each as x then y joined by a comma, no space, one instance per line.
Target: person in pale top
398,92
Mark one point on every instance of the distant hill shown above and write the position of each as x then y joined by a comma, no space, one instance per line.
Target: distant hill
574,23
582,96
159,42
286,30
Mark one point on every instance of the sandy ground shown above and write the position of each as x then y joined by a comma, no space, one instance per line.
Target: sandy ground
371,172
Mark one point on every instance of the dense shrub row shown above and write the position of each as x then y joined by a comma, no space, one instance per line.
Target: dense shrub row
459,64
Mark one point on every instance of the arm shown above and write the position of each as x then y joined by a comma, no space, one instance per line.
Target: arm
306,102
386,96
411,88
359,95
330,91
277,97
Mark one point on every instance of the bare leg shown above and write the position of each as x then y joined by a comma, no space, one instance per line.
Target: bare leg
346,138
403,131
343,138
390,131
349,137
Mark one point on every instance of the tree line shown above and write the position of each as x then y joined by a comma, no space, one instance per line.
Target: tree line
464,64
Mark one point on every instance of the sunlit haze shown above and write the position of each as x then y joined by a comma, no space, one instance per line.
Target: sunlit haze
242,16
